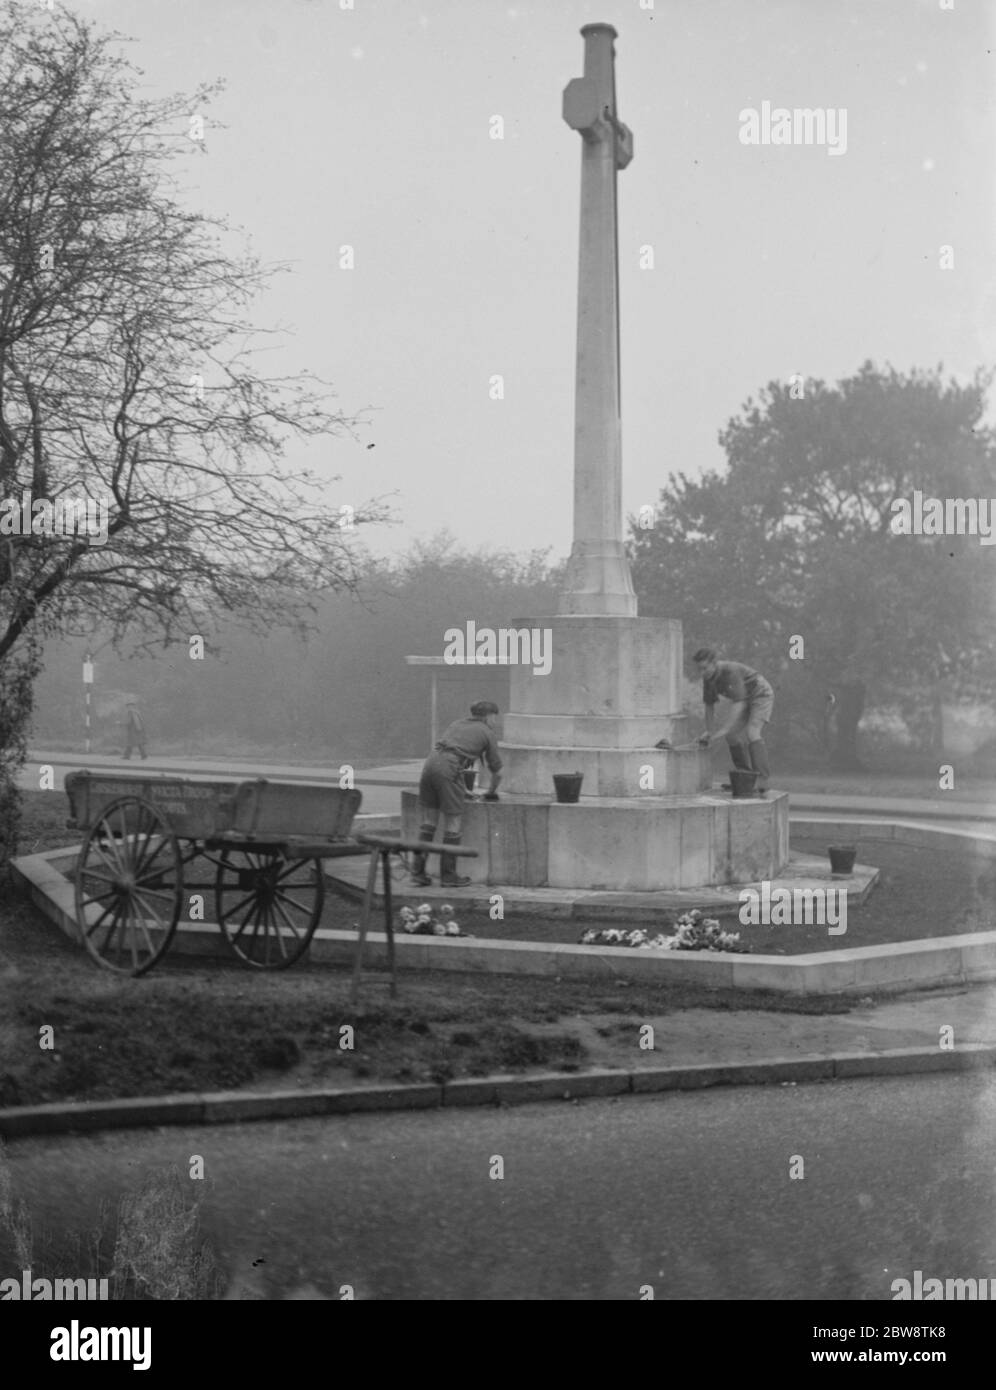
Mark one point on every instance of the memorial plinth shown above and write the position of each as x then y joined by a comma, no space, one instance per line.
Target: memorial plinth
621,844
611,693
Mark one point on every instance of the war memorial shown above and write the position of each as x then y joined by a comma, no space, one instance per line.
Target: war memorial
646,820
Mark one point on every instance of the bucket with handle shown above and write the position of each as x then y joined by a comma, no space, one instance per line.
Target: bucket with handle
742,782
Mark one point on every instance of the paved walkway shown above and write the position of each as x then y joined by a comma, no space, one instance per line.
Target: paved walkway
872,1028
406,773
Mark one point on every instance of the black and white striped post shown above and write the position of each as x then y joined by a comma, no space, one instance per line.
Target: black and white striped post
87,683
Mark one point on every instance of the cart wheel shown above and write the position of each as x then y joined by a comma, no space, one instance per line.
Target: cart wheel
268,906
129,886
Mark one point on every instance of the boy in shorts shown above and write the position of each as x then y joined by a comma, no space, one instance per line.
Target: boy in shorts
443,791
753,704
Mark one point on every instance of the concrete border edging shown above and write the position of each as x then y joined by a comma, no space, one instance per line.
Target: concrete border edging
947,960
899,831
235,1107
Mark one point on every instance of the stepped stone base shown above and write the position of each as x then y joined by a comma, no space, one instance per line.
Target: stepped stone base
612,691
621,844
627,773
603,668
592,731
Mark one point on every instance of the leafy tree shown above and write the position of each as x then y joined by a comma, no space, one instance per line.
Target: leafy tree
127,378
797,538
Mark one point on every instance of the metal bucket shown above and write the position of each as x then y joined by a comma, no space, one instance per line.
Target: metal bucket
742,782
567,787
842,859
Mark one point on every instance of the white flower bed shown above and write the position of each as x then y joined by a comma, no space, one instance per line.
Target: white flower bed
693,932
420,921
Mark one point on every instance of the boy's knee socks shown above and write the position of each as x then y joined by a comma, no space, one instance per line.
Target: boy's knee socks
738,755
447,862
759,759
428,833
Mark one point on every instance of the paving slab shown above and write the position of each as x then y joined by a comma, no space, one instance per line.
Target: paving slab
239,1106
69,1116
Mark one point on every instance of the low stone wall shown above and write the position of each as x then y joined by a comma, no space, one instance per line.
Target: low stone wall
621,844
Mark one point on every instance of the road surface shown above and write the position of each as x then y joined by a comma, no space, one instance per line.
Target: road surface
689,1193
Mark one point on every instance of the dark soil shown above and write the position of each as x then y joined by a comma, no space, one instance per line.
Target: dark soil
919,893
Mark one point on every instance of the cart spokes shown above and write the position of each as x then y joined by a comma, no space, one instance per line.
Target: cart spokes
129,886
268,905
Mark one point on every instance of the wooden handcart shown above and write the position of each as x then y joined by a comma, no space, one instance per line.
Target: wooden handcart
266,841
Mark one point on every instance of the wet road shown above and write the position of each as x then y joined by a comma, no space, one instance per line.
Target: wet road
689,1193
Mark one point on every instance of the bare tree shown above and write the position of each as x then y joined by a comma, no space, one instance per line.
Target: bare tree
126,377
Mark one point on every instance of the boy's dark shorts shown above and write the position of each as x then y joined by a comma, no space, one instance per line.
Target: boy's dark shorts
441,786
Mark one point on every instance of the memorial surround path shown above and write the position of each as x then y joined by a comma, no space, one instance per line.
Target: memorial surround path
974,803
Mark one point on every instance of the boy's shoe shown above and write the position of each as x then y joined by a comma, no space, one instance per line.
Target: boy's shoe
454,881
420,880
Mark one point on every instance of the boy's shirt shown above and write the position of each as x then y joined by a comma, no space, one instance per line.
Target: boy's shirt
471,738
736,682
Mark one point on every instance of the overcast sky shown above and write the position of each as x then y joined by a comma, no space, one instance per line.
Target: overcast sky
370,127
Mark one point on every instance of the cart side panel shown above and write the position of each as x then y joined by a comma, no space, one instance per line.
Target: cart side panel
194,810
280,809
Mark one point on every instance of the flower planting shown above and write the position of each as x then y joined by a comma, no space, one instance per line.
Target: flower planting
693,931
426,921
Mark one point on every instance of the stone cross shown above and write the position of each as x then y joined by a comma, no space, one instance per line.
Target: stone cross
598,581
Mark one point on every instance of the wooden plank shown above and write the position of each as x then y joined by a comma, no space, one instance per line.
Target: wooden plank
417,846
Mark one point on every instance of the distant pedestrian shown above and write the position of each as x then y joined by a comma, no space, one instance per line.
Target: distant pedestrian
134,731
753,703
443,791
